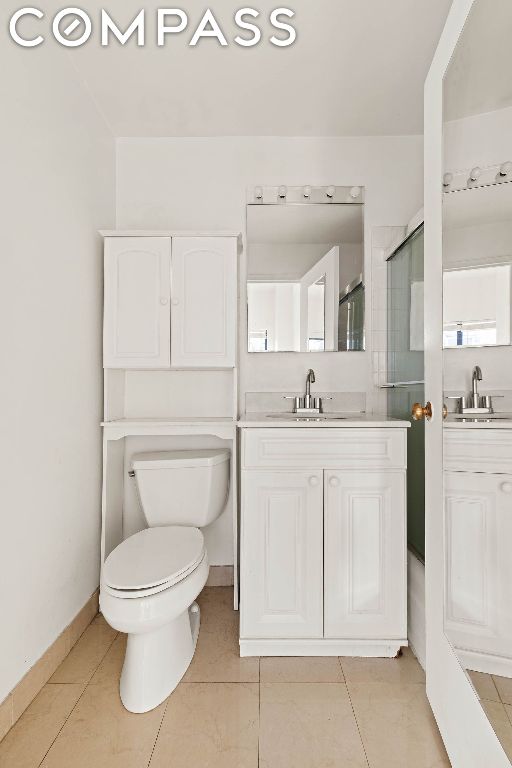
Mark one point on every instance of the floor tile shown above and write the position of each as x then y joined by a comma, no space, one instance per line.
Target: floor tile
308,725
484,686
209,726
397,725
84,658
499,720
29,740
217,658
100,733
301,669
112,663
82,620
508,710
504,686
403,669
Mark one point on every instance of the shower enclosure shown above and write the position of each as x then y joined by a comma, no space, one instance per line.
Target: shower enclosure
405,371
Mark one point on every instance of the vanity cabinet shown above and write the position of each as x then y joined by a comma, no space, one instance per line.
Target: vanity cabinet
323,541
170,302
478,521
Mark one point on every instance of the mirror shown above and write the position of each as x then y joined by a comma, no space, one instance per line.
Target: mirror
477,257
305,289
477,359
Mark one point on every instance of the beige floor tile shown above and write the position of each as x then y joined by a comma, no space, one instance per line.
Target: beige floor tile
484,686
29,740
301,669
504,686
211,726
308,725
85,657
112,664
403,669
508,710
100,733
217,657
397,725
28,688
499,720
5,716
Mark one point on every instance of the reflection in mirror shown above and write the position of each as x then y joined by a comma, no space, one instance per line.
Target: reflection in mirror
305,288
477,264
477,256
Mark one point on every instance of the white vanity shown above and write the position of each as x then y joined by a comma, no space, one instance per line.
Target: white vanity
478,519
323,536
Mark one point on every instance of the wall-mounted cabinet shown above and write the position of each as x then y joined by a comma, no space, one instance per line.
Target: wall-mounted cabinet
170,301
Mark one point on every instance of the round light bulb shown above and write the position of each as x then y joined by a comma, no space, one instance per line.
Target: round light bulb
355,192
330,192
307,191
258,193
506,169
475,174
447,179
282,192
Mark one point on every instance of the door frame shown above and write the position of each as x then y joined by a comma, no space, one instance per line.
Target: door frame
468,736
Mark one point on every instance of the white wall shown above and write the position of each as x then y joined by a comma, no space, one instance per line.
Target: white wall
482,140
200,183
57,190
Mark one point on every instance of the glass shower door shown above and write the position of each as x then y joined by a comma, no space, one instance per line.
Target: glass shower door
405,371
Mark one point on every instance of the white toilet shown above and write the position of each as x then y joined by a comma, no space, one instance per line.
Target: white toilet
150,581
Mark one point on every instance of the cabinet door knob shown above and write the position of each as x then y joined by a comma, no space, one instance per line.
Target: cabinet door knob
314,481
334,482
506,487
175,302
163,301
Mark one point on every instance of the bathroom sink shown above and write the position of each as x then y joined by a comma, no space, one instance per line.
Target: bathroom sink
489,417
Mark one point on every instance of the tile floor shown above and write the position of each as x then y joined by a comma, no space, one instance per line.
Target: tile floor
496,699
229,712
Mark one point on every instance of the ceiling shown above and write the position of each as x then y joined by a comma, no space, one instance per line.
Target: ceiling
479,78
311,224
357,68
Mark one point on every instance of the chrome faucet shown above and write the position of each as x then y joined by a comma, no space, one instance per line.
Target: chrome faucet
474,402
475,378
307,403
310,379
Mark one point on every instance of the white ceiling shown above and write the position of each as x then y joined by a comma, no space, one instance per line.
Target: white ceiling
479,78
311,224
357,68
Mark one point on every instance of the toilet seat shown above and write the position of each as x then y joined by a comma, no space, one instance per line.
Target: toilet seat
153,560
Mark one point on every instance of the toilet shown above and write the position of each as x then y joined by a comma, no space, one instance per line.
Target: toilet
150,582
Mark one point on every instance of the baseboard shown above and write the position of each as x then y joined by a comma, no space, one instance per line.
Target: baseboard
36,678
220,576
485,662
321,647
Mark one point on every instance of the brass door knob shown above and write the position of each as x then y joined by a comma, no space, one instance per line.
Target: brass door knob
420,412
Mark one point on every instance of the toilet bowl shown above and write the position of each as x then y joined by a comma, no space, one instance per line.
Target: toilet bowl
150,582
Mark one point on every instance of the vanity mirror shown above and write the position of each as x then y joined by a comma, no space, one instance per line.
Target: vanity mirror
477,265
305,254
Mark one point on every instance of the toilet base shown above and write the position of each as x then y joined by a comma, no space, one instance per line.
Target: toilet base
156,661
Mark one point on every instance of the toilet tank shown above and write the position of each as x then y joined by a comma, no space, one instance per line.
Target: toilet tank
182,487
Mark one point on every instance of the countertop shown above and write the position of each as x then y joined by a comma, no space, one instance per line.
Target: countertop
485,421
339,420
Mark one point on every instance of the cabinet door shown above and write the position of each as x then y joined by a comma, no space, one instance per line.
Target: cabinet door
365,554
136,329
478,523
281,555
203,327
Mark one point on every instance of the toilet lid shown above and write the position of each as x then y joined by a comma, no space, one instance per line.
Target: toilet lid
154,557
